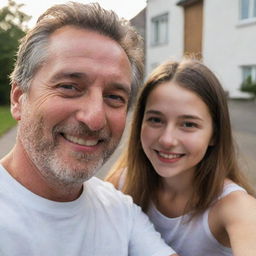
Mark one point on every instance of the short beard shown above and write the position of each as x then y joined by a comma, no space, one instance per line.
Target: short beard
43,152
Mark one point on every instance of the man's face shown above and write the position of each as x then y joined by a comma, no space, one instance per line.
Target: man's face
74,114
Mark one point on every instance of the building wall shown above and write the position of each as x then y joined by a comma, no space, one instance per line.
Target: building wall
139,22
228,44
174,49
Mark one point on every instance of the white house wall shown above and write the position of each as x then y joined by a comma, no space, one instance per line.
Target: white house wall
174,49
227,45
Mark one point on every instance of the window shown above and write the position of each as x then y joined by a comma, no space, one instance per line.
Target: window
248,75
159,26
247,9
249,79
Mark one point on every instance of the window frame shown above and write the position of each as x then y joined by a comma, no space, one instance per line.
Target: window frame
156,37
251,10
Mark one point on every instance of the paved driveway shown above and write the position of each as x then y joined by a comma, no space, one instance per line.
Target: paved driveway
243,119
7,141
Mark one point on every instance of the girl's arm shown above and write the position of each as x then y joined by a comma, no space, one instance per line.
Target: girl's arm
237,214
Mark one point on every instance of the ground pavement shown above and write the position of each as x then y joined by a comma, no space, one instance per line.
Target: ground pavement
243,119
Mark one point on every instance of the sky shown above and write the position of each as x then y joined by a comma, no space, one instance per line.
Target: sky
124,8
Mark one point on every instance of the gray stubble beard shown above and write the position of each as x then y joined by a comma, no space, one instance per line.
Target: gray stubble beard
44,155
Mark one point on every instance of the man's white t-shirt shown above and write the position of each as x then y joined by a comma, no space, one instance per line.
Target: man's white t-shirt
101,222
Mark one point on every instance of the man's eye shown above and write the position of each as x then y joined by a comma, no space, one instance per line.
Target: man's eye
116,97
69,90
115,100
67,86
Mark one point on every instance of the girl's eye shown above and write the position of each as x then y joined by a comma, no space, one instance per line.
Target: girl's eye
189,125
154,120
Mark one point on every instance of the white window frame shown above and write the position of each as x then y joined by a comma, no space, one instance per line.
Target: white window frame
251,10
160,29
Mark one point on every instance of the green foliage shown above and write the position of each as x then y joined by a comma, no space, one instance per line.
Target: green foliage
6,120
12,28
249,86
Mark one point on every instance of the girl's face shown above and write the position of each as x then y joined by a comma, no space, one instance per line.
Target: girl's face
176,130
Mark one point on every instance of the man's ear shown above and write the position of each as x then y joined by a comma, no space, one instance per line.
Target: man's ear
16,101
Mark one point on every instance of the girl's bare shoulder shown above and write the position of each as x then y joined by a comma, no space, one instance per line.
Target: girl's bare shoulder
238,206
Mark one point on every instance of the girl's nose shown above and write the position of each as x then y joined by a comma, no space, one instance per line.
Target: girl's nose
168,137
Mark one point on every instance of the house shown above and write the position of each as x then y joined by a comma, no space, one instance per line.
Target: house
139,22
222,32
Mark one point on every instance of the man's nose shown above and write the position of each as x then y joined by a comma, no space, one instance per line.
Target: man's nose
92,111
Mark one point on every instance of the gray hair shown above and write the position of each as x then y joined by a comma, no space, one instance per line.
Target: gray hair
32,52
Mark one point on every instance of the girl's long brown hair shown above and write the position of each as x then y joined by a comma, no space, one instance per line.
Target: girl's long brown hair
220,161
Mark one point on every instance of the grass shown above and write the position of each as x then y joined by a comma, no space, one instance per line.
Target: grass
6,120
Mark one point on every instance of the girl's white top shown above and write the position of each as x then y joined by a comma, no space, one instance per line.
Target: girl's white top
191,238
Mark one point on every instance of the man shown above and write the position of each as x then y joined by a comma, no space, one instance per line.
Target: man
72,84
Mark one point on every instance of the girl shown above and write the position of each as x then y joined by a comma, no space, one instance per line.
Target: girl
180,165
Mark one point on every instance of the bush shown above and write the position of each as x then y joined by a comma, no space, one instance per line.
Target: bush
249,86
6,120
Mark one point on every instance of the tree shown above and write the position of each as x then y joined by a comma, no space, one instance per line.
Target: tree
12,27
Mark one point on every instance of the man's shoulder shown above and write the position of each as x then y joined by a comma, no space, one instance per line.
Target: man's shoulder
102,196
96,183
105,190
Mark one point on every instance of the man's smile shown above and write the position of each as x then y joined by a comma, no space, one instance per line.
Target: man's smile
81,141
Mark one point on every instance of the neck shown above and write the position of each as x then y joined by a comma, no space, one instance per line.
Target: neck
174,194
179,185
21,168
